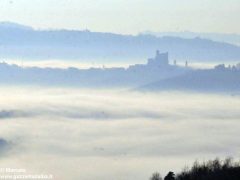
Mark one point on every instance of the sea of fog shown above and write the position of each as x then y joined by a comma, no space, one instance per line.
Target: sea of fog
114,134
107,63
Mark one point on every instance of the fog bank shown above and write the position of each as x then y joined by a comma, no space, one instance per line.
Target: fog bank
89,134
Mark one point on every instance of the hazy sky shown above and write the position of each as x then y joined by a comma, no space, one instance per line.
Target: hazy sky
126,16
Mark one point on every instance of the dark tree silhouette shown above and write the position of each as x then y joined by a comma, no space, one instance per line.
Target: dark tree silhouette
170,176
211,170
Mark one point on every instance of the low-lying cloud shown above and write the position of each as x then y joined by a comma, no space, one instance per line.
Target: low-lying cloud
5,114
107,134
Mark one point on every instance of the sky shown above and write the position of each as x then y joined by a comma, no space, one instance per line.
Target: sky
125,16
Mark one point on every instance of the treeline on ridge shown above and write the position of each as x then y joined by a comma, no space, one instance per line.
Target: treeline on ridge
211,170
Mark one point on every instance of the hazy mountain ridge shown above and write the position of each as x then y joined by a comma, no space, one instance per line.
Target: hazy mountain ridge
222,37
11,25
22,42
155,79
93,77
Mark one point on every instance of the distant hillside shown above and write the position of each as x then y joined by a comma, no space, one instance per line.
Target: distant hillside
224,80
17,41
11,26
221,37
93,77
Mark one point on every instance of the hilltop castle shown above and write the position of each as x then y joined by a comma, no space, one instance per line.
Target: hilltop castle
160,60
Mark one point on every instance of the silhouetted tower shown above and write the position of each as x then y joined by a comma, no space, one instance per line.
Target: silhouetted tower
186,64
175,62
160,60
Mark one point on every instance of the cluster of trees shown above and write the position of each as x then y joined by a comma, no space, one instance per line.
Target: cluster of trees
211,170
229,67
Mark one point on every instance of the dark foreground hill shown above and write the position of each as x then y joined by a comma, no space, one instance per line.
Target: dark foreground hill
211,170
18,41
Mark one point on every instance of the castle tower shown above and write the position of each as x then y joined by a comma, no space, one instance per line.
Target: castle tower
160,60
157,53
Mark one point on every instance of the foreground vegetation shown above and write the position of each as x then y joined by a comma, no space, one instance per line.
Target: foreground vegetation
211,170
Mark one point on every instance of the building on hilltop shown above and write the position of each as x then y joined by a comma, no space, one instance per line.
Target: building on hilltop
160,60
